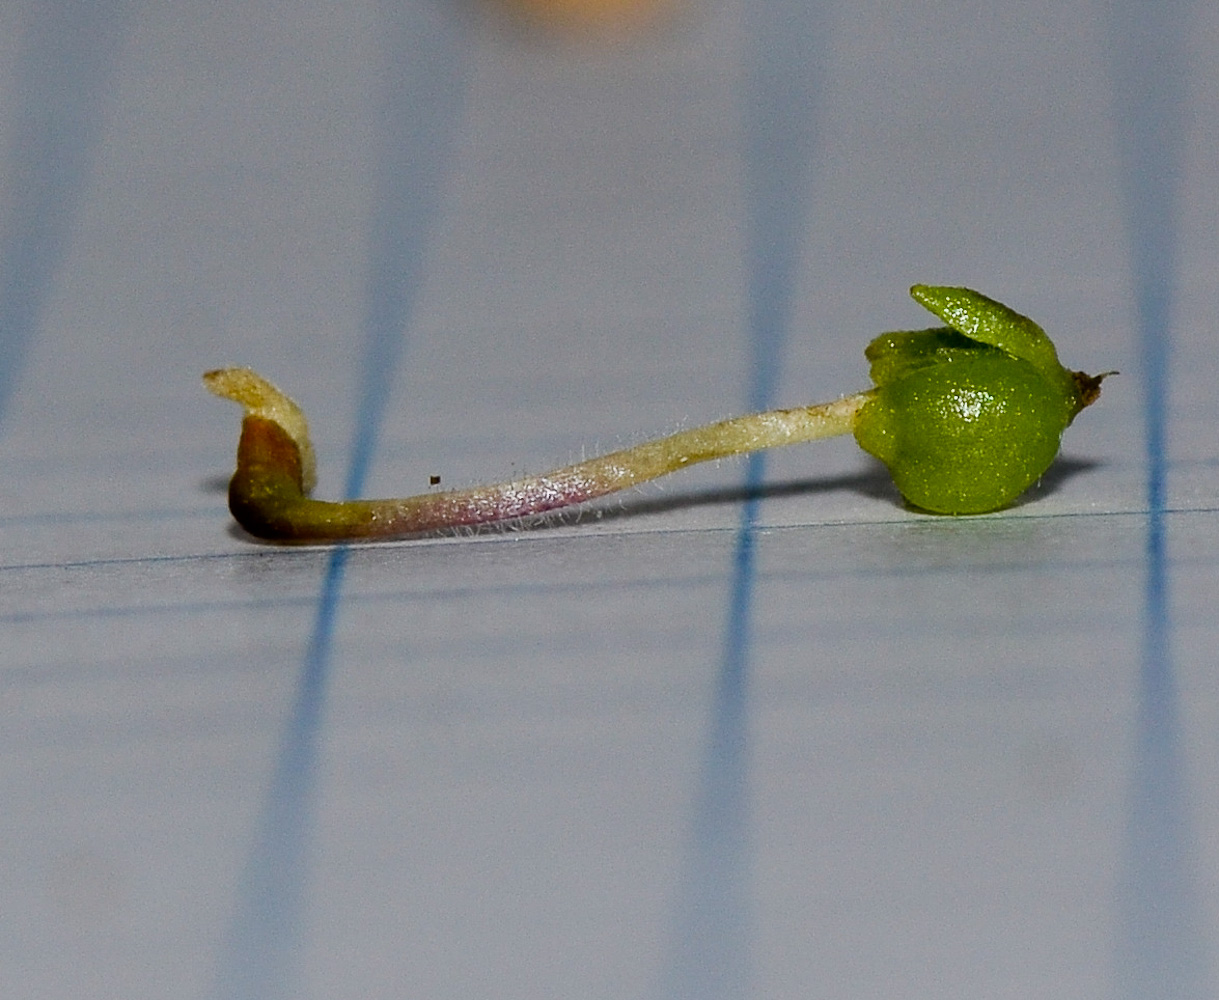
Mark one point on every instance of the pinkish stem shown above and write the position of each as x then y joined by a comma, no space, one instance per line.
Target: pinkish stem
269,491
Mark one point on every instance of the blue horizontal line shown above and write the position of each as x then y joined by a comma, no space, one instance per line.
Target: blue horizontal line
545,589
570,534
109,517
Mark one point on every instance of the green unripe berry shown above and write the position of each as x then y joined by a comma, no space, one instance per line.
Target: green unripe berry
969,416
966,435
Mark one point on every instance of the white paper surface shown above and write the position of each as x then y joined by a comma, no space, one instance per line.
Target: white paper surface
809,744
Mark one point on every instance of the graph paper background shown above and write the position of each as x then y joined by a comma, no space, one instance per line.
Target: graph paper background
759,731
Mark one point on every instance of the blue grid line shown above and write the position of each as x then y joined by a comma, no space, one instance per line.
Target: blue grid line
264,938
65,64
712,958
425,90
423,78
543,590
785,49
1162,948
279,553
590,587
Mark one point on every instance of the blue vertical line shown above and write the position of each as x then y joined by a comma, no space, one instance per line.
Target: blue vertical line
65,64
711,957
788,45
265,937
786,39
423,84
1162,944
425,90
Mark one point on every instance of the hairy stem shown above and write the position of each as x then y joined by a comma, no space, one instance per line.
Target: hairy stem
269,492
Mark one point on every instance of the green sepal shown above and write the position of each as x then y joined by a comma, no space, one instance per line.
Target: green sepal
896,354
981,318
987,321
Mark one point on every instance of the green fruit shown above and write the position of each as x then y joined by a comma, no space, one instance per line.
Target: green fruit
968,416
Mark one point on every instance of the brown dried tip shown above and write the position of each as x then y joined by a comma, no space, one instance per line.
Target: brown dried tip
1089,385
259,398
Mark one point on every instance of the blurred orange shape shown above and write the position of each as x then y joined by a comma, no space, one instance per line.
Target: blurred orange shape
603,18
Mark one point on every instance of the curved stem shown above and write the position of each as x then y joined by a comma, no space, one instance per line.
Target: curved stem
268,494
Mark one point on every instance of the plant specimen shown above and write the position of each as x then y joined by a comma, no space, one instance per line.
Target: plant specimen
966,417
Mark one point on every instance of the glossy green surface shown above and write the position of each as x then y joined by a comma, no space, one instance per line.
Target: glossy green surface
969,416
